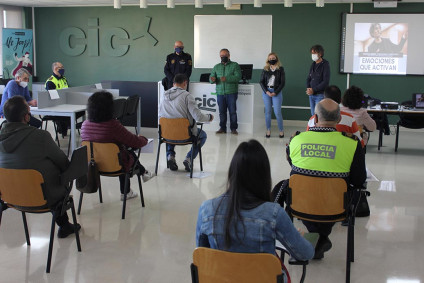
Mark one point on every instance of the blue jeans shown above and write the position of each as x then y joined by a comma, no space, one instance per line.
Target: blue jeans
227,101
275,102
313,101
202,138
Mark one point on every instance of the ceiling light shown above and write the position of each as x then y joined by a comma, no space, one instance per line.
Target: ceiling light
170,3
288,3
198,3
117,4
143,4
320,3
257,3
227,3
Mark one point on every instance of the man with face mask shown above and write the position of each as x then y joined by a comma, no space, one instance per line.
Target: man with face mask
19,86
318,77
178,62
58,81
226,75
177,102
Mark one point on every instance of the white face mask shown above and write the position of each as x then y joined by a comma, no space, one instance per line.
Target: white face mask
315,57
23,84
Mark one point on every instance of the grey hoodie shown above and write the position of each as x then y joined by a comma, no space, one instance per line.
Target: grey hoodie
25,147
179,103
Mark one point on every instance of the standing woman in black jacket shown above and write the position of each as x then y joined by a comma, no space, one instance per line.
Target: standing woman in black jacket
272,82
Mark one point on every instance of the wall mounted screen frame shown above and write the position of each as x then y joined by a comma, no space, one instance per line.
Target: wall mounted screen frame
389,44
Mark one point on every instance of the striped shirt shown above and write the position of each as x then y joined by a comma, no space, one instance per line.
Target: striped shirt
347,124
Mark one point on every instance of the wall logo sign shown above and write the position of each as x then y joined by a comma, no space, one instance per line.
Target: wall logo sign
205,103
113,41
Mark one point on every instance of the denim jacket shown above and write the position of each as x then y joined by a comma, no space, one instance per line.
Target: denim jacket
262,226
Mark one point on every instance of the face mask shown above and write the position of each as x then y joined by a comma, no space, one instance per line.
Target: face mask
179,49
272,62
61,72
315,57
224,59
23,84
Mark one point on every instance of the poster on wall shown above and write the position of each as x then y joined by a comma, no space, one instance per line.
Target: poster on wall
17,51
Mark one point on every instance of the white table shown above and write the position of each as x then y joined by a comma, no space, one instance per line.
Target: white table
63,110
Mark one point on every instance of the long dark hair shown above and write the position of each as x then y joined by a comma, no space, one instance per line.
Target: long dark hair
248,185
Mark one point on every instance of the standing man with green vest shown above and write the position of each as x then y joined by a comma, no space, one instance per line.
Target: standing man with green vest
324,152
226,75
58,81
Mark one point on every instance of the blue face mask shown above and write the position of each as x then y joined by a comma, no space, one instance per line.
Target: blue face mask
178,49
61,72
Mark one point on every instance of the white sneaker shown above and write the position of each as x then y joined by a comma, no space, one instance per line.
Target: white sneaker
131,194
147,176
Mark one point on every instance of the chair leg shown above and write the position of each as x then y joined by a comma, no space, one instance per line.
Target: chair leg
74,219
100,192
397,137
157,158
127,186
380,139
140,187
350,247
69,144
57,136
191,161
80,203
200,156
26,228
302,279
49,256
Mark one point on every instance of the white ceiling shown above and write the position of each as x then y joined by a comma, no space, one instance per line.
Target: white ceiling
72,3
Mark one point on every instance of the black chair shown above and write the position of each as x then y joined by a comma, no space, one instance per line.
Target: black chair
130,111
119,108
204,78
408,120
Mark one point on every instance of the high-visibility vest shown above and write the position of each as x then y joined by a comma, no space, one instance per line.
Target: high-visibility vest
323,151
61,83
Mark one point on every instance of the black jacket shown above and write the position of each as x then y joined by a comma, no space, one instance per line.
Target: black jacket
319,76
177,64
280,79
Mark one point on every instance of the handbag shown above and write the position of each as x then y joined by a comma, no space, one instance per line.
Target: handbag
90,182
363,209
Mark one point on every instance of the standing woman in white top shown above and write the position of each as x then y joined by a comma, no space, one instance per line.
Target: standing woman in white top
272,82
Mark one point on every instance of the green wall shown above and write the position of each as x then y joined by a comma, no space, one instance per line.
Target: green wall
295,30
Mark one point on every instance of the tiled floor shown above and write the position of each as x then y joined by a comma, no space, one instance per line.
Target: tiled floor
155,243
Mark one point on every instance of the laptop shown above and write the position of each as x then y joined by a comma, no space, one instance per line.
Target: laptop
418,101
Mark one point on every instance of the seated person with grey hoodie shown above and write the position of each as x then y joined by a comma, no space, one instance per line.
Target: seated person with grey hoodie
177,102
26,147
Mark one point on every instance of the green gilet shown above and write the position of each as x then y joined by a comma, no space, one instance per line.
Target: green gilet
62,83
323,151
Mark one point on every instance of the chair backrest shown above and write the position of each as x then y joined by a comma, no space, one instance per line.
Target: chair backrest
175,129
132,105
215,266
106,156
22,189
317,198
119,108
204,78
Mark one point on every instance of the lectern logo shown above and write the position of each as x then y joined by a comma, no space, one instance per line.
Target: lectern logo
207,104
113,41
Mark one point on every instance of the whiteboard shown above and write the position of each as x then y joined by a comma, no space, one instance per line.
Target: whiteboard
248,37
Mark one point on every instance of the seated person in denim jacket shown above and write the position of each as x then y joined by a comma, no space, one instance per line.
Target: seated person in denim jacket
244,219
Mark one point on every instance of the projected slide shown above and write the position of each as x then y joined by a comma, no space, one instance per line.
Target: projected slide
386,44
380,48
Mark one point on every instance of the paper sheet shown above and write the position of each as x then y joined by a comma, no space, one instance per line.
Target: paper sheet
200,175
99,86
53,94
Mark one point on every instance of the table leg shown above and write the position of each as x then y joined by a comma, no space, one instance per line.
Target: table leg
73,128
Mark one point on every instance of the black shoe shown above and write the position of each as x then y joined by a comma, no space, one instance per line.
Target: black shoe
324,244
172,164
67,229
187,165
221,131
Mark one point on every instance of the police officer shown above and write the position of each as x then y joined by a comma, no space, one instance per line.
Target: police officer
324,152
178,62
57,80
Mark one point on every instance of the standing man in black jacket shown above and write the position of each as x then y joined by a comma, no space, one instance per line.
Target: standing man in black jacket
178,62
